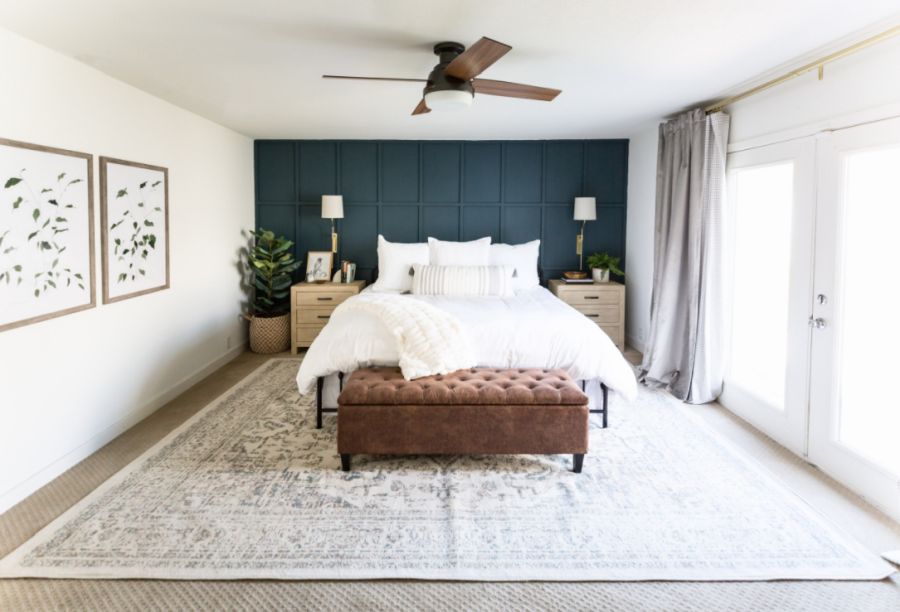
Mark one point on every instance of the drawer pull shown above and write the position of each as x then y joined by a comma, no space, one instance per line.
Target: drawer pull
323,316
324,299
593,316
592,297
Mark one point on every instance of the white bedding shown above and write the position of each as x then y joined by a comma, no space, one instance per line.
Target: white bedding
530,329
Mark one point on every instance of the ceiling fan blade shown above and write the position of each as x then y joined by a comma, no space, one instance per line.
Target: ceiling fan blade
363,78
514,90
421,109
476,59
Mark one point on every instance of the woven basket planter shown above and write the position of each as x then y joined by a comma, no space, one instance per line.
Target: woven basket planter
270,334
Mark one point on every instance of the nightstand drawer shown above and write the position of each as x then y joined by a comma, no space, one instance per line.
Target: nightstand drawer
314,316
601,314
305,334
322,298
589,296
616,333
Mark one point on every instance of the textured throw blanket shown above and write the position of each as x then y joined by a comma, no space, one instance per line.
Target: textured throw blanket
429,340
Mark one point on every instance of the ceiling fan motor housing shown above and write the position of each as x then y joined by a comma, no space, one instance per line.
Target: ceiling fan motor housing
438,80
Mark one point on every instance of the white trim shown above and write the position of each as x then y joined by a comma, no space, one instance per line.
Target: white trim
20,491
870,115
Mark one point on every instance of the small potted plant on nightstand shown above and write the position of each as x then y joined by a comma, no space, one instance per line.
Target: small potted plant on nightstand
601,264
271,263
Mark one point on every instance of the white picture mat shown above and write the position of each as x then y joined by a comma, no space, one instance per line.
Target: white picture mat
40,170
119,177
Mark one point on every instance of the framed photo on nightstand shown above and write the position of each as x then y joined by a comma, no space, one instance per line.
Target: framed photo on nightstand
318,266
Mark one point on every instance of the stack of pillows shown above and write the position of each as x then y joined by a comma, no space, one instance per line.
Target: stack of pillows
438,267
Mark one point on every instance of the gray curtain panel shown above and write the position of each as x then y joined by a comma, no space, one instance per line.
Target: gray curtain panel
686,348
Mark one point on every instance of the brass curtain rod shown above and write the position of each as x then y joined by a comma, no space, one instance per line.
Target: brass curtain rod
818,64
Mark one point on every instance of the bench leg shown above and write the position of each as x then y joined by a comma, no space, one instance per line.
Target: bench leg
345,462
577,462
320,382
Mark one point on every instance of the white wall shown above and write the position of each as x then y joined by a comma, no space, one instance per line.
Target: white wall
862,84
70,384
641,212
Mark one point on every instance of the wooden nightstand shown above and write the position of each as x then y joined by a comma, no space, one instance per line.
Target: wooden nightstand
312,305
602,303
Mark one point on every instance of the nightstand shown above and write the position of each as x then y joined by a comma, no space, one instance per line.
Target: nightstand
311,307
602,303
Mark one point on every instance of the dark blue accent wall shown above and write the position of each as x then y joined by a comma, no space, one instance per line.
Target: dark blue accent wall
513,191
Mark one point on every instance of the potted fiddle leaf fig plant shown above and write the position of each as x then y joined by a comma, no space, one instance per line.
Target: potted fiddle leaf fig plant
601,264
271,264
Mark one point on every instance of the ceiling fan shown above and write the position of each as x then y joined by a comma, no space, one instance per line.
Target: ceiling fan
452,84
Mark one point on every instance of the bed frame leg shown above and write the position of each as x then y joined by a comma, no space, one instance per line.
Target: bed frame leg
604,410
605,390
577,462
345,462
320,382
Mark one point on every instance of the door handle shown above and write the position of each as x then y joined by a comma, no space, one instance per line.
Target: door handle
817,322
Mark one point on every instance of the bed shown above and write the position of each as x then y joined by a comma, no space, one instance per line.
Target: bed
529,329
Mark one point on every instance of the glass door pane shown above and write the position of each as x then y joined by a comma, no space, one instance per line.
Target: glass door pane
868,415
763,207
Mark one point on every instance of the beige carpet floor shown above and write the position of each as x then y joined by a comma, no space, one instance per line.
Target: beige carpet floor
23,520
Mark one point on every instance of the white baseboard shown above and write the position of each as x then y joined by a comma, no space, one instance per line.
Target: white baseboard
34,482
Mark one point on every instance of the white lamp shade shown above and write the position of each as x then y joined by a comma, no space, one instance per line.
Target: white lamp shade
332,207
585,209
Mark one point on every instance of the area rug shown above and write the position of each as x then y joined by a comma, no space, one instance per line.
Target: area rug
248,488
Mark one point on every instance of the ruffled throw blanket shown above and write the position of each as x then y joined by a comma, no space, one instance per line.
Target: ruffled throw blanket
429,340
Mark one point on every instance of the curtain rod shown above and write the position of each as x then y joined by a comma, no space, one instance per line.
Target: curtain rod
817,64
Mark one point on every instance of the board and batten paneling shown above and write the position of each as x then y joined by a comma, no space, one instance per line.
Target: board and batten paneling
512,191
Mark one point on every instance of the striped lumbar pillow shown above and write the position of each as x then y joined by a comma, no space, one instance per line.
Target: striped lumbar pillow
462,280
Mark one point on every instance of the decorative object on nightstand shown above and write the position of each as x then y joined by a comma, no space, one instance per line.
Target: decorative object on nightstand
333,208
271,262
601,264
312,305
318,266
602,303
585,210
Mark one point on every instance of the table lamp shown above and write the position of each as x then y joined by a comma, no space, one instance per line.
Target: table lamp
585,210
333,208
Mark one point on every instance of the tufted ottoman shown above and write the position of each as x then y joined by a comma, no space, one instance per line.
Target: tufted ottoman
476,411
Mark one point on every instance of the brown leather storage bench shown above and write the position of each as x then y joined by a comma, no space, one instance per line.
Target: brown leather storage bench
476,411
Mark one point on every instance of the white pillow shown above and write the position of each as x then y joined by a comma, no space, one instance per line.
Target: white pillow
462,280
474,253
395,262
522,257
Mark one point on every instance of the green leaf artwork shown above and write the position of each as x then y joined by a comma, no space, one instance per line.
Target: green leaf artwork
31,257
135,212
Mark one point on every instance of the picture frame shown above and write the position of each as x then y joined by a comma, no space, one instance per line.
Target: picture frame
134,223
318,266
46,233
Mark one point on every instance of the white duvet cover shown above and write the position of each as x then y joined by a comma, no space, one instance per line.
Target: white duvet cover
532,329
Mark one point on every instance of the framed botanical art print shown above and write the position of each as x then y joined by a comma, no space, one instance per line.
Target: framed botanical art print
318,266
134,220
46,233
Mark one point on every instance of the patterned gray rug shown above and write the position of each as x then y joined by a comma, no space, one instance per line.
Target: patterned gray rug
247,488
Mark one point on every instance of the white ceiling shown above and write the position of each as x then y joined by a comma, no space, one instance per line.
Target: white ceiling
256,65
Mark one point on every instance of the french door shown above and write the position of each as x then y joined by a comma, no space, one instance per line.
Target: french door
815,336
771,205
854,425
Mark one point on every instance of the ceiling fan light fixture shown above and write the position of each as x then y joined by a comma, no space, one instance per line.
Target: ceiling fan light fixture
448,99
